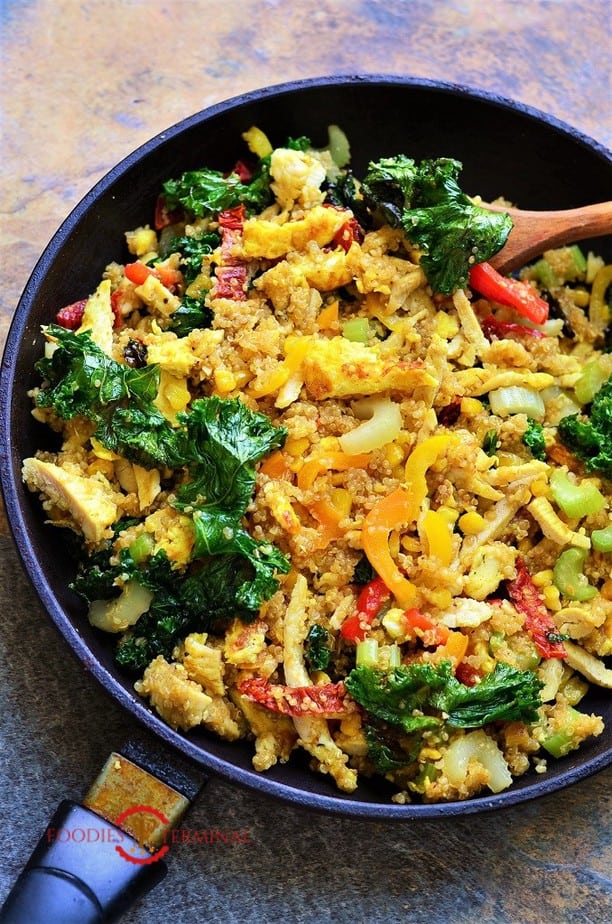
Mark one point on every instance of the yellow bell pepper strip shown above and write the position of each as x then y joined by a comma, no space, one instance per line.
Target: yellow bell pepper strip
339,461
295,351
510,292
389,513
420,459
599,313
438,537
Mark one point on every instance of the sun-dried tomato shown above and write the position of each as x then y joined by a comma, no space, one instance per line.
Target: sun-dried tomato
538,622
329,700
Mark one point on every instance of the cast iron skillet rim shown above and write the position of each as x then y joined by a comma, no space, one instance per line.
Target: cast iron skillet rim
249,778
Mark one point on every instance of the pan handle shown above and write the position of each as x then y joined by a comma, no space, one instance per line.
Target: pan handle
82,881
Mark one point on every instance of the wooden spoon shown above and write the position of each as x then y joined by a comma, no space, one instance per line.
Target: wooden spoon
535,232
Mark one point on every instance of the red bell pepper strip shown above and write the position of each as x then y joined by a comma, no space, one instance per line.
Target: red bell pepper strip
350,231
369,602
425,628
494,329
328,701
538,622
138,272
510,292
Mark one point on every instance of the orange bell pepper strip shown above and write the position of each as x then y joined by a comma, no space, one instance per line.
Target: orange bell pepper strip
393,511
339,461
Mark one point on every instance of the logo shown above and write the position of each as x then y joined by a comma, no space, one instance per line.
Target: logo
145,858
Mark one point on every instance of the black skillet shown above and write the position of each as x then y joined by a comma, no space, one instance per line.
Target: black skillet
506,148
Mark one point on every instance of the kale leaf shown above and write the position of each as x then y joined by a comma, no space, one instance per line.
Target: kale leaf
191,314
426,200
533,438
317,648
207,192
402,695
81,380
192,250
590,436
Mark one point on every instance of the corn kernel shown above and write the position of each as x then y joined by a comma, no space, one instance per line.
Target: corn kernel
394,454
580,297
540,488
297,446
394,544
141,241
430,754
449,514
552,598
543,578
395,624
225,381
471,523
471,407
606,590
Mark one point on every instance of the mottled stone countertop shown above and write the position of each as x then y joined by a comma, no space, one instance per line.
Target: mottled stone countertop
83,84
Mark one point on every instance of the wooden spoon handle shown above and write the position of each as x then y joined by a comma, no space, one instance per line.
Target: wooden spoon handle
535,232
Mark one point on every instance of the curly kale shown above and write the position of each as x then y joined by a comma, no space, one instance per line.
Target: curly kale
414,696
436,215
589,436
317,648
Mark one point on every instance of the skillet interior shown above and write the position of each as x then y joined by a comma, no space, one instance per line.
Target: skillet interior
506,149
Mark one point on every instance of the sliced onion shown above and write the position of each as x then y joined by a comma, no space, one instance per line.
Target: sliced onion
125,610
517,400
383,426
479,747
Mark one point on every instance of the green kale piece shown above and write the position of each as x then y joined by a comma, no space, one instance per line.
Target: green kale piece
317,648
80,379
402,695
533,438
590,436
207,192
364,572
426,200
191,314
192,251
383,751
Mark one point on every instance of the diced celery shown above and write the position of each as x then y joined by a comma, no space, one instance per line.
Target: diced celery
579,260
589,383
575,500
367,653
141,547
544,273
357,330
561,742
339,147
601,539
568,576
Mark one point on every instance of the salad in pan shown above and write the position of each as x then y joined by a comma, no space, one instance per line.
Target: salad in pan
335,484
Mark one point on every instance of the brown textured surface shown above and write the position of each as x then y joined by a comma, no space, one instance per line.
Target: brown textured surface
82,85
